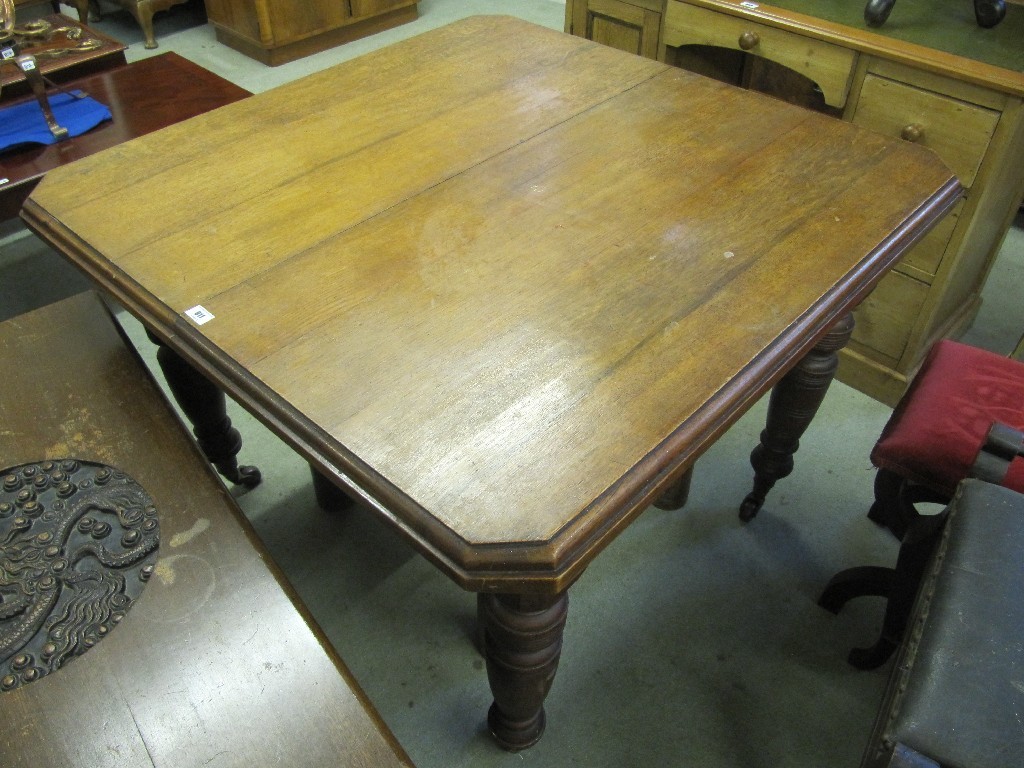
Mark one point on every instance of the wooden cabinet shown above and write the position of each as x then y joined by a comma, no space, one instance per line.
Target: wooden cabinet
962,98
278,31
633,26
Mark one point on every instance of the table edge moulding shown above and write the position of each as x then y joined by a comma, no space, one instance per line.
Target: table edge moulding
964,100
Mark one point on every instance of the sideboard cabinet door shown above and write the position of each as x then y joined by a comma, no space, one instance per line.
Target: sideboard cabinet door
292,21
278,31
633,26
362,8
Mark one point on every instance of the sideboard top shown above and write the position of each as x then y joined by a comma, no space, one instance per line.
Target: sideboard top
939,36
943,25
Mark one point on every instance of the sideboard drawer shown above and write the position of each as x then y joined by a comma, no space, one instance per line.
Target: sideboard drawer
886,317
923,260
957,130
829,66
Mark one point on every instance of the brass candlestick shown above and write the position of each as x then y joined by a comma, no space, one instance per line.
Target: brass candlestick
9,53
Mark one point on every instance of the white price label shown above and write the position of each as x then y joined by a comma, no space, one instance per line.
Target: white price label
199,314
27,65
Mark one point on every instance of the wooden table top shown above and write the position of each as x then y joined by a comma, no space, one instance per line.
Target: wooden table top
143,97
511,292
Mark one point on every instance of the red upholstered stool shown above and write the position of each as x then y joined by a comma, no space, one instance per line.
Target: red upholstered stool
963,416
937,431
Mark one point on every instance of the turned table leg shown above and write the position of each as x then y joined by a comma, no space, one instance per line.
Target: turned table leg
522,637
794,401
329,497
205,406
675,496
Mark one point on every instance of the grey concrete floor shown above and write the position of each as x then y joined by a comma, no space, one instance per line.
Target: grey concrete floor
693,640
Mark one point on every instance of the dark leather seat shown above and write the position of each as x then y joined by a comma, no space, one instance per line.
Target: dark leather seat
955,695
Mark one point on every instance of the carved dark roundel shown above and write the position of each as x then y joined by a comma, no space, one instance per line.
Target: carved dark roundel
78,541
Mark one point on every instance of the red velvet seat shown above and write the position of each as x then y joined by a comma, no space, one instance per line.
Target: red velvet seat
936,431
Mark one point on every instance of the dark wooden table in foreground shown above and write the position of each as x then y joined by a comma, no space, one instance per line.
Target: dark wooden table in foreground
507,296
143,97
216,662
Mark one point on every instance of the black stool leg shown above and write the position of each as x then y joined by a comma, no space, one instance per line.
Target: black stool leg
885,510
862,581
899,585
896,499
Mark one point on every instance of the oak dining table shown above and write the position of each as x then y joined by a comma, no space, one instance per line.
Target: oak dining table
505,285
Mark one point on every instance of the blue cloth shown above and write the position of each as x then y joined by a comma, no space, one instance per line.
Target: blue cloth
24,123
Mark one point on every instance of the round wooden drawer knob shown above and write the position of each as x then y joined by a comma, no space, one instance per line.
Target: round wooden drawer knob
749,40
912,132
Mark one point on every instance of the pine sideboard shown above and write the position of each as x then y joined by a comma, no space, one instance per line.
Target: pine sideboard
929,75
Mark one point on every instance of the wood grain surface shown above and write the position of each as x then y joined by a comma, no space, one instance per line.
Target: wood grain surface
509,293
